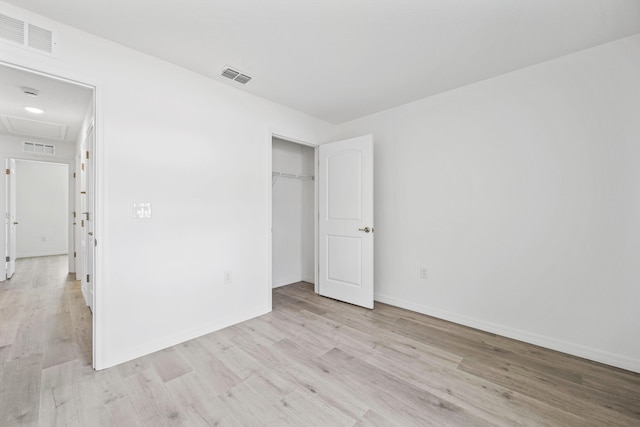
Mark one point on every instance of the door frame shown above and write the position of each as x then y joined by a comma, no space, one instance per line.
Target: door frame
285,137
100,178
10,210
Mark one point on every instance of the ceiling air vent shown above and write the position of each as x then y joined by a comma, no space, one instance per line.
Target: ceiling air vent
235,75
40,38
26,34
243,78
11,29
37,148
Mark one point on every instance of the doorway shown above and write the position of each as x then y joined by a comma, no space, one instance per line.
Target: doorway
55,133
293,202
342,214
36,187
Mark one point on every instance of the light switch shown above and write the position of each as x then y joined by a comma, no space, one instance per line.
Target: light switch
142,210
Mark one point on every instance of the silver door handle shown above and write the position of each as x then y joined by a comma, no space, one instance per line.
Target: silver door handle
366,229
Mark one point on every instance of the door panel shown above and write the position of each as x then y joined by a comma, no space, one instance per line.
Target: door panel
346,221
87,243
344,260
345,185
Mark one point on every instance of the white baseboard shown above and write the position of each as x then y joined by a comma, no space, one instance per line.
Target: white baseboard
169,341
280,284
39,254
593,354
285,282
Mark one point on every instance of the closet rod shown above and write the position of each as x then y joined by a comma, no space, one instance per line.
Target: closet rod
291,175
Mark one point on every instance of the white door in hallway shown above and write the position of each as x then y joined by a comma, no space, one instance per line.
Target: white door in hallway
87,243
345,225
11,219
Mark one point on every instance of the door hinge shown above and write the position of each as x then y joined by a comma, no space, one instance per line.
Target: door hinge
74,174
74,214
82,223
8,259
8,171
87,155
74,254
87,278
82,166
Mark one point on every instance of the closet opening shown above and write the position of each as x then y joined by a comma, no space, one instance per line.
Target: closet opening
293,213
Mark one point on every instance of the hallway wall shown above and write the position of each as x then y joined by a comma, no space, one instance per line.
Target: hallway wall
42,208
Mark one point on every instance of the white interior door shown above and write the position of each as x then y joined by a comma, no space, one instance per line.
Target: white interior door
345,225
11,220
87,243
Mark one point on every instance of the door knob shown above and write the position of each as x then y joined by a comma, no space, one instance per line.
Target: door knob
366,229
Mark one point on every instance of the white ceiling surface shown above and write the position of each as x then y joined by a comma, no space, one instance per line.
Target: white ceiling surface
65,105
342,59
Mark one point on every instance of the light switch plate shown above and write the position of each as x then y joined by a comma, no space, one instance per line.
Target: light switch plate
142,210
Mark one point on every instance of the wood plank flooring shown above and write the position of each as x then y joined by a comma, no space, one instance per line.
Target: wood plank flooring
311,362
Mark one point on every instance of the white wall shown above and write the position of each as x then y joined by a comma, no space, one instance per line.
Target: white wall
197,151
42,208
521,194
11,146
293,228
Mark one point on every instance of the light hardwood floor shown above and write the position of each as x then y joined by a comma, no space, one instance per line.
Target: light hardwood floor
311,362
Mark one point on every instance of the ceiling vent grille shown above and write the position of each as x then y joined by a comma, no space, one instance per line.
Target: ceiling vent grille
11,29
236,75
38,148
40,38
26,34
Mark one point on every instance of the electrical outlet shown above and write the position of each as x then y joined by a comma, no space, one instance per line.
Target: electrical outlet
424,273
228,277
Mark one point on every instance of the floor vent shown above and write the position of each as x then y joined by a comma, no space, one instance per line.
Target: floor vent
236,75
38,148
26,34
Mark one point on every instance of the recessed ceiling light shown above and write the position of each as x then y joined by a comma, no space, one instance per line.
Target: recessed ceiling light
34,110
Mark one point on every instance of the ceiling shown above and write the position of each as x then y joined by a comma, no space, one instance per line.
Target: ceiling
65,105
342,59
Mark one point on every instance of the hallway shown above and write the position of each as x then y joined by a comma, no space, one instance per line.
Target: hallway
44,324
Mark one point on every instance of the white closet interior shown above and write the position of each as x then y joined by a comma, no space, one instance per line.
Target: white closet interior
293,227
